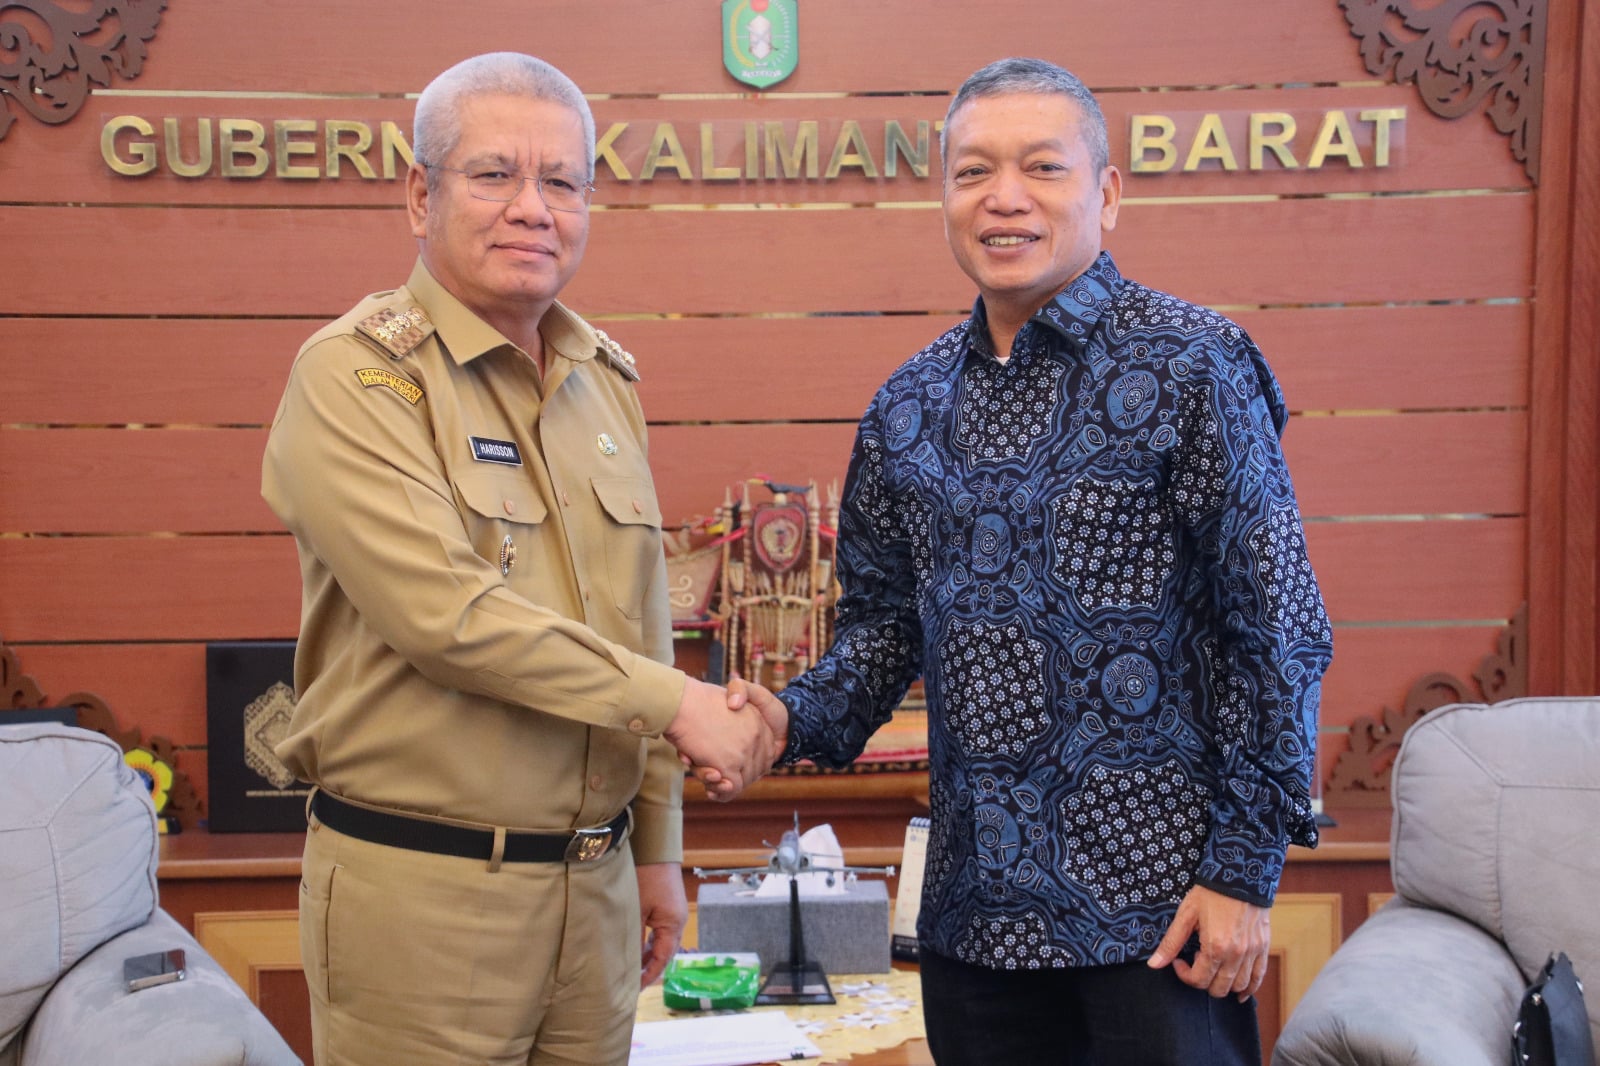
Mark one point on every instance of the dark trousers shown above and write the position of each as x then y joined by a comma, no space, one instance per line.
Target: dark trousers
1127,1015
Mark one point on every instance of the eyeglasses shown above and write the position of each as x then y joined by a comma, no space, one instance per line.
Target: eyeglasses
559,191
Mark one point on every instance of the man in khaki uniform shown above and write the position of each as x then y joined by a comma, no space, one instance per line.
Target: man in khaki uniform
484,678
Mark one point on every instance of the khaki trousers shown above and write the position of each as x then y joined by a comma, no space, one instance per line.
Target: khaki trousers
416,958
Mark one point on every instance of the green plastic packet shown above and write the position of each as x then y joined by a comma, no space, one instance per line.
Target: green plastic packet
711,981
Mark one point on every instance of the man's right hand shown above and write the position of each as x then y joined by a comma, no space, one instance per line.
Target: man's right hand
776,714
710,732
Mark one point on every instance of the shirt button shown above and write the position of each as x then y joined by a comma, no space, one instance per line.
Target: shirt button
586,594
638,508
565,502
511,507
596,782
636,726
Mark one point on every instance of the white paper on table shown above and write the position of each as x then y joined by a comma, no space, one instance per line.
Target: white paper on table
821,846
720,1040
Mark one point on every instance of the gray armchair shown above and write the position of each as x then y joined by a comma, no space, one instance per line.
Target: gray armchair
1495,852
78,851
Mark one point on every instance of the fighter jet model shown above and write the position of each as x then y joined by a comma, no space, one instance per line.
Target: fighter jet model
797,980
790,858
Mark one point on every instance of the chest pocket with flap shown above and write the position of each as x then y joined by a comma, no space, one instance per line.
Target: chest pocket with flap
500,505
633,538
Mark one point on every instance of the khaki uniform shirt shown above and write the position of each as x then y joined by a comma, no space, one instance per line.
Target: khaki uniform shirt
484,632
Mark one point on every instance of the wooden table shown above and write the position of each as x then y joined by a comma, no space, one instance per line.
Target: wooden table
911,1053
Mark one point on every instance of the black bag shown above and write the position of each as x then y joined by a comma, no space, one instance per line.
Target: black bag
1552,1026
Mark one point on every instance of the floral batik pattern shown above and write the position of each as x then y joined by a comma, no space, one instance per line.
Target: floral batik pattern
1092,555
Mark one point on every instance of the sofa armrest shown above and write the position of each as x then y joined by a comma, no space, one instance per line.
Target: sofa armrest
1411,987
204,1020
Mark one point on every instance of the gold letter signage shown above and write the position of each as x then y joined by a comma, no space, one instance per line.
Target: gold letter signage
1263,140
287,148
732,150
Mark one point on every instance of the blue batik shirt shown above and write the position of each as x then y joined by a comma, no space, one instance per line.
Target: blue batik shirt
1092,555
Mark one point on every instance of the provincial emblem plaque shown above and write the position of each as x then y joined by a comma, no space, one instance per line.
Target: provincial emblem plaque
760,40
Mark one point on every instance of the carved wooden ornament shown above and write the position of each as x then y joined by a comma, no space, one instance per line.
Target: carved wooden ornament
50,53
19,692
1361,775
1460,52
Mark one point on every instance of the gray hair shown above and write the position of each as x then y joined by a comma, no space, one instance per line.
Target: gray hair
435,131
1040,77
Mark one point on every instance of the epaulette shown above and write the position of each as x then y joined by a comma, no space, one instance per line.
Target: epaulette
396,332
617,356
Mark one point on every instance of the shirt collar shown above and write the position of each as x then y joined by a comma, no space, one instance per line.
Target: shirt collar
467,336
567,335
1073,313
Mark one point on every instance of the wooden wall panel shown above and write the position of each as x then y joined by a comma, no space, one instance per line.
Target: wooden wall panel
1564,613
208,480
304,262
1435,570
124,481
161,686
137,589
1419,464
1374,665
65,165
116,371
233,588
644,46
231,371
1398,320
1407,358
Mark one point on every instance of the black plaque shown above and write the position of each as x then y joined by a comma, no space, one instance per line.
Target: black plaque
249,698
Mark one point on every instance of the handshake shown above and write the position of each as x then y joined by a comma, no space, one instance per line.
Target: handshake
728,737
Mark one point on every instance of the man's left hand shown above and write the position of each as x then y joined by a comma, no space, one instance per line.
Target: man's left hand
1234,940
664,909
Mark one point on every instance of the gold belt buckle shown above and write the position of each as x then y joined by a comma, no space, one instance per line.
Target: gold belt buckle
588,845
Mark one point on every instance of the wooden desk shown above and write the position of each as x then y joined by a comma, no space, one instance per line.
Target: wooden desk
238,893
911,1053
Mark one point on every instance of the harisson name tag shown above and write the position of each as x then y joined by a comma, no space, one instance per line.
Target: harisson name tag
489,450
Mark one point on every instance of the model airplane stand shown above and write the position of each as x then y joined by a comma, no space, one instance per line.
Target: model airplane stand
731,920
798,980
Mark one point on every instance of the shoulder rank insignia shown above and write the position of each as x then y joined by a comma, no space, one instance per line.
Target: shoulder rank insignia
617,356
397,332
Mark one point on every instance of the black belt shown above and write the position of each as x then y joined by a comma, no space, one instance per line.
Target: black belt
419,834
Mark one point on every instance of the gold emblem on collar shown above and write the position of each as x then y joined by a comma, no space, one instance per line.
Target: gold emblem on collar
617,356
606,445
508,556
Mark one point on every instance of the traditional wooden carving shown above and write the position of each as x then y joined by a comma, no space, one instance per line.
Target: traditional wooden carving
1459,52
19,692
778,591
51,52
1360,776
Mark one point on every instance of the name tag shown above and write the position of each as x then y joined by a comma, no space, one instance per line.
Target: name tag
488,450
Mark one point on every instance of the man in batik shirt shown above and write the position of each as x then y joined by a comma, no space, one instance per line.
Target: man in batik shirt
1070,515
